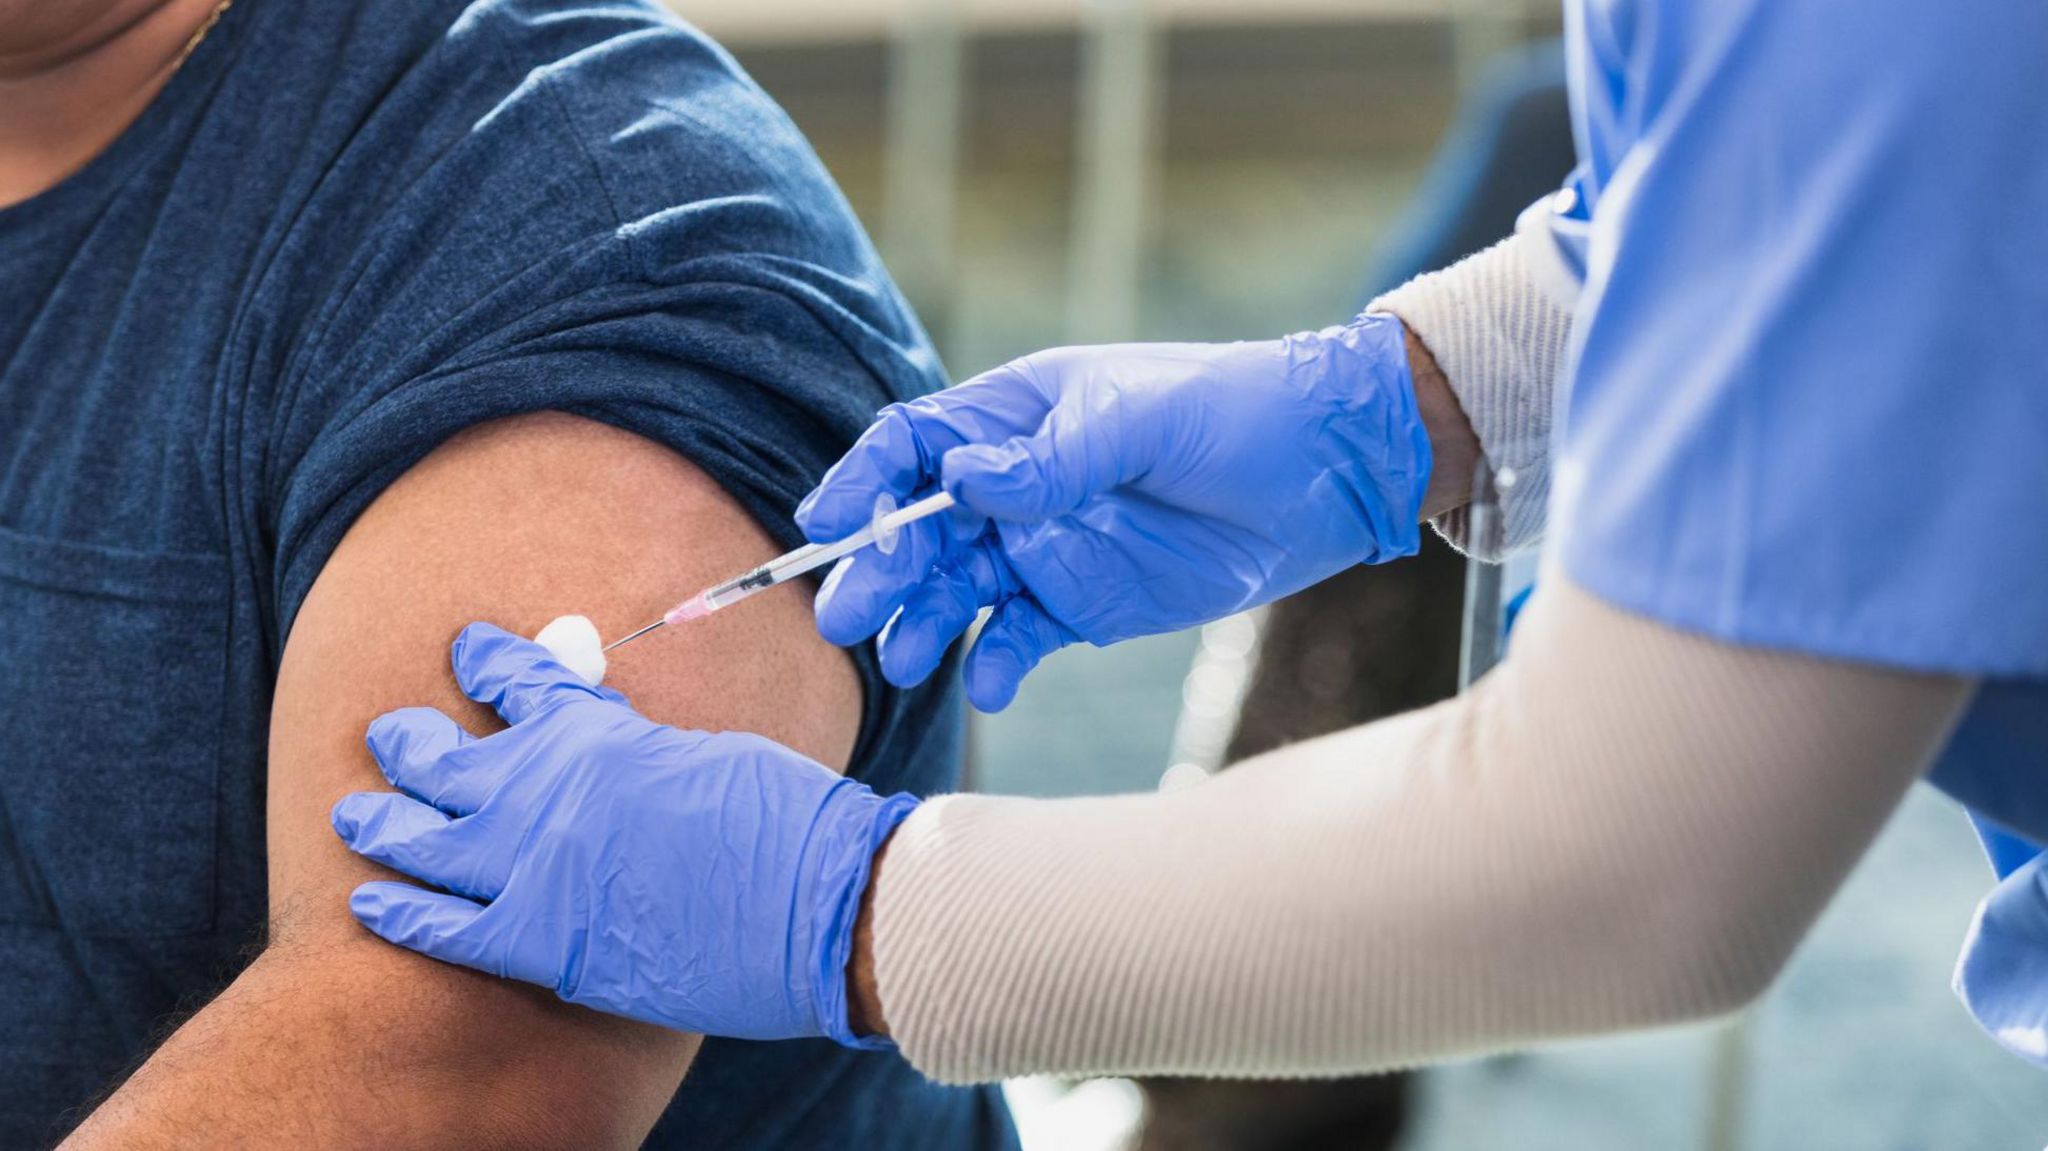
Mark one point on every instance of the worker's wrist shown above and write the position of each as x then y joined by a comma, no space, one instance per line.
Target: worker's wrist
1488,342
854,832
1453,446
863,995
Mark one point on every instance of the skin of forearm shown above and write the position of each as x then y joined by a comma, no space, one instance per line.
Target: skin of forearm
1453,446
863,996
318,1045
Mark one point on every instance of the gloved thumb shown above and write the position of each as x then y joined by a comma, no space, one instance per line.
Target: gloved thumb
1024,480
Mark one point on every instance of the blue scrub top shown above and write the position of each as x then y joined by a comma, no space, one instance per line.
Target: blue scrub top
1808,402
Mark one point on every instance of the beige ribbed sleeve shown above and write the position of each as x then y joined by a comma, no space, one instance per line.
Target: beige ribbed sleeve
1500,338
1622,826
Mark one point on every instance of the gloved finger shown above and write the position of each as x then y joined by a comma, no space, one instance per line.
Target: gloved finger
899,455
406,835
891,458
856,600
865,589
939,610
1039,476
432,923
517,676
915,642
414,748
1018,635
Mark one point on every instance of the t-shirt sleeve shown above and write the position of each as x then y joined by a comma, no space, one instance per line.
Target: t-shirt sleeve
637,236
1810,393
736,379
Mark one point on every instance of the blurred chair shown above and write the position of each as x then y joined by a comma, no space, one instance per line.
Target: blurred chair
1375,641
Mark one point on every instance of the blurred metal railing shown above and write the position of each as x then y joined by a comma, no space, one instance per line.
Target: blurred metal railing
771,21
1483,639
921,147
1113,173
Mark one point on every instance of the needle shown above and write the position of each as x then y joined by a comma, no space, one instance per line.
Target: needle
636,635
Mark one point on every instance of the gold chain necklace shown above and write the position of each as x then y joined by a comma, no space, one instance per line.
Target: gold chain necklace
191,45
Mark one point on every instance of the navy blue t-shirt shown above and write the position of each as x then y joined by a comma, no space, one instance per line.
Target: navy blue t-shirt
342,233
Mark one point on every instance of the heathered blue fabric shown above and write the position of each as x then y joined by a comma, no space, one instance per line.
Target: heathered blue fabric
343,232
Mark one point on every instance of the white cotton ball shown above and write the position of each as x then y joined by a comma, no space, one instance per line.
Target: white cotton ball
575,644
1181,776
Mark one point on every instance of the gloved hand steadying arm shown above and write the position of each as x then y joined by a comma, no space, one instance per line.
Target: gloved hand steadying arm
702,882
1121,491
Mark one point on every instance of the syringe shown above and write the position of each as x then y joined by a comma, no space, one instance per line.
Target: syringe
883,531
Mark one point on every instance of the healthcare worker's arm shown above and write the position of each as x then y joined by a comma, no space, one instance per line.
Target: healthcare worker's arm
1623,826
334,1038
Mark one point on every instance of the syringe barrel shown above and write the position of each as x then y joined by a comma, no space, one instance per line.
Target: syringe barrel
889,520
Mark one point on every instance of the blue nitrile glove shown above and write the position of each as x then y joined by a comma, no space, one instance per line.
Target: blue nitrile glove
702,882
1121,491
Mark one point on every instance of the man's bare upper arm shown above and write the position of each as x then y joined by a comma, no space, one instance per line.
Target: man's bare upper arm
516,523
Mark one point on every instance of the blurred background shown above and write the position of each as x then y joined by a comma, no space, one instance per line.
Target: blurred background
1041,172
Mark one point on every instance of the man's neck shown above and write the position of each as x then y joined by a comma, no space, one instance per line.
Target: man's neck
66,96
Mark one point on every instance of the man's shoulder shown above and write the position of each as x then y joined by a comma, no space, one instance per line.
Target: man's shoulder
543,120
520,166
662,116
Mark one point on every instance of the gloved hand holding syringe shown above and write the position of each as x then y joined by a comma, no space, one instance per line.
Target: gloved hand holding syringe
882,532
